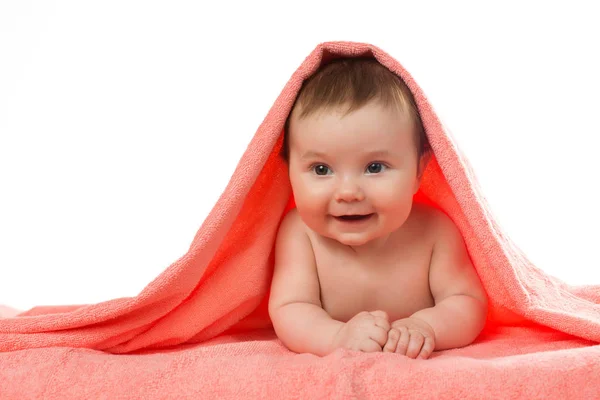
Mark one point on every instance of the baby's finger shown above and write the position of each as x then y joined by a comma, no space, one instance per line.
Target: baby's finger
427,348
404,340
392,342
380,314
415,345
369,346
382,323
378,334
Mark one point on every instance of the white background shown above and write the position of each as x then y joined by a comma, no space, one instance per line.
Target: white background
122,121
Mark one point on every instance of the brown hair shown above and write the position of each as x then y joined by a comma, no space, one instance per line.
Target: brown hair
356,81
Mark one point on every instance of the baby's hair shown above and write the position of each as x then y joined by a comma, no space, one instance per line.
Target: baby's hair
356,81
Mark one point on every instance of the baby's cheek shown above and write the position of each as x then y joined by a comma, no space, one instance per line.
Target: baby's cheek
307,190
392,199
307,201
310,208
395,209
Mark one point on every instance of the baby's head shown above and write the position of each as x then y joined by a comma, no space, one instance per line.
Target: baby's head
355,146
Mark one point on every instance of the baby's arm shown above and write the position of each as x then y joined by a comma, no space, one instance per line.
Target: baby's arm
460,307
295,305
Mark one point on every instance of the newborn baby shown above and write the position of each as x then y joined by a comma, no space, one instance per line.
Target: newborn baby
358,264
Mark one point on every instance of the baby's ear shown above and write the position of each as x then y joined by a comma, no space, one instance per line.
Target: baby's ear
423,163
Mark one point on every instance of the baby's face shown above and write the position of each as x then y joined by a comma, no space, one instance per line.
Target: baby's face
363,164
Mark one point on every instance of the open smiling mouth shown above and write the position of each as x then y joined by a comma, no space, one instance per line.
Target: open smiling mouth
354,218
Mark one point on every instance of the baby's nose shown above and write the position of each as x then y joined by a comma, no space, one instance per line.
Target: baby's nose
349,190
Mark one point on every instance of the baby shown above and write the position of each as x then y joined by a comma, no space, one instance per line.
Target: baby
358,264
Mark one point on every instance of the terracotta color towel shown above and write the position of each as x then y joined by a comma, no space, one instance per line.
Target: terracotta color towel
201,328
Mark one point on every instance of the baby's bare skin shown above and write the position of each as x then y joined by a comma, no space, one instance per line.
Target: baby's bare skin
358,264
395,280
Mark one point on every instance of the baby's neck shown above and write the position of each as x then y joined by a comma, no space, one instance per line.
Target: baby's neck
373,247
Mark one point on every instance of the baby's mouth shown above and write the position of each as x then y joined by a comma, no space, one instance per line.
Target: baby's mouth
350,218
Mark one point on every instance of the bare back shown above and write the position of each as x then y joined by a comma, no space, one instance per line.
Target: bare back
395,280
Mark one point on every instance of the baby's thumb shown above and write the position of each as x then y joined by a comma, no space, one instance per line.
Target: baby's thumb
381,314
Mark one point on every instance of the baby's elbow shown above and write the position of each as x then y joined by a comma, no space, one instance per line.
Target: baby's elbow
273,309
478,293
478,311
482,308
483,300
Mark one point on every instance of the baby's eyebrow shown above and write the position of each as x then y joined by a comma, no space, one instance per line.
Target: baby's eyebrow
378,153
313,154
317,154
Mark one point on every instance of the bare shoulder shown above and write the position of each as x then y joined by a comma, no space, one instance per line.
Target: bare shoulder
292,232
436,222
439,219
290,221
292,239
295,276
447,234
451,269
423,222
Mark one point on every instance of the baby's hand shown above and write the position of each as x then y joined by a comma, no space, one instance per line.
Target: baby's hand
366,331
411,337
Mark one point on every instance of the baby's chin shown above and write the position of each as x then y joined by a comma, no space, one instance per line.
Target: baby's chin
353,243
353,240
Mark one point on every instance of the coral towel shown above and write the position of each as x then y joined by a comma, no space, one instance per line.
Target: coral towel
201,328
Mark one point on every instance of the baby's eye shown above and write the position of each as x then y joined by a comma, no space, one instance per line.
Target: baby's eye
375,168
321,169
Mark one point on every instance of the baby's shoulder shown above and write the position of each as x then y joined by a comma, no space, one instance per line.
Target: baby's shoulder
427,220
423,215
292,227
293,247
291,221
436,222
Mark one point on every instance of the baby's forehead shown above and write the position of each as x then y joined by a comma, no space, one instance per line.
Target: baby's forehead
365,133
372,114
336,132
308,151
